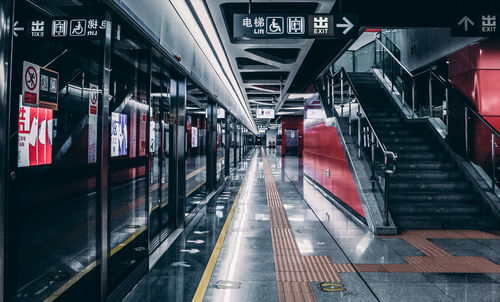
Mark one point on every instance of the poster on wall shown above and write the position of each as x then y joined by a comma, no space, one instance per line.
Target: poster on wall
35,136
142,131
133,132
194,137
93,112
152,137
119,132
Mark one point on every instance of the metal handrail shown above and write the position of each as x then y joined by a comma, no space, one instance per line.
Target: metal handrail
382,145
447,86
378,39
374,140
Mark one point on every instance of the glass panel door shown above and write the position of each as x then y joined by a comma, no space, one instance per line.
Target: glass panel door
55,84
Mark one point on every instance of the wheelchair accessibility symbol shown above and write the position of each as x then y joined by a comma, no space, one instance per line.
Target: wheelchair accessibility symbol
331,287
275,25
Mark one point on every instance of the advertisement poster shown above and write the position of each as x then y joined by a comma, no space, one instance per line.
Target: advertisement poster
152,137
93,111
133,132
119,132
142,132
35,136
194,137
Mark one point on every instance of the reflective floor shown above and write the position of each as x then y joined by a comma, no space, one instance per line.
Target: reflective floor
286,242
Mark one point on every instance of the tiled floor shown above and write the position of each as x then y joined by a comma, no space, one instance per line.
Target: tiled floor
286,242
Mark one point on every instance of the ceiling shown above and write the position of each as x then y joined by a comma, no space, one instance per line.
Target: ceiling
265,69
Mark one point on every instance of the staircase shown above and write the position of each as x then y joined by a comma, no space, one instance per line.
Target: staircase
428,191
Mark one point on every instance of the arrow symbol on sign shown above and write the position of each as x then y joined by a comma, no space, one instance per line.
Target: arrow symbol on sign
16,28
348,25
181,263
465,21
191,251
195,241
200,232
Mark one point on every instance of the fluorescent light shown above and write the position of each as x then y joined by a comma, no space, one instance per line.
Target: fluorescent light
160,94
201,12
301,95
292,108
285,113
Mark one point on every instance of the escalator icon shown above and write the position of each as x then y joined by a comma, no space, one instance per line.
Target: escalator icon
275,25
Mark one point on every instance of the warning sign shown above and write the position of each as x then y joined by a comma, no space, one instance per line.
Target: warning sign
31,88
40,86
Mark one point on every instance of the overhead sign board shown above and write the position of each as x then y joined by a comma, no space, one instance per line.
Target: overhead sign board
265,113
475,24
297,26
90,28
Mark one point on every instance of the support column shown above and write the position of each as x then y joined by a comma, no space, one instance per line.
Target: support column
177,169
211,147
6,14
235,142
227,138
103,134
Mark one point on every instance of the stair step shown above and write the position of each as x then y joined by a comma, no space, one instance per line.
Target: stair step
458,222
439,186
429,175
438,165
420,156
405,197
411,147
455,208
405,140
386,120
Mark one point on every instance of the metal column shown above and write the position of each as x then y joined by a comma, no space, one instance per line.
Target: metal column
103,134
211,146
6,20
177,168
227,139
235,132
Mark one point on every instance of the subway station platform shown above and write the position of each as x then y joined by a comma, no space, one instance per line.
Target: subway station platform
272,236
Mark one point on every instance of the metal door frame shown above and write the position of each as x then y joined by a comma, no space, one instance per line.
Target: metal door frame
6,21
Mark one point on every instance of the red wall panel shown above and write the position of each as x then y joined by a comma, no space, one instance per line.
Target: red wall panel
323,150
475,71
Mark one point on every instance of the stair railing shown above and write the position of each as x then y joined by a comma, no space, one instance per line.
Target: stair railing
343,100
438,100
410,88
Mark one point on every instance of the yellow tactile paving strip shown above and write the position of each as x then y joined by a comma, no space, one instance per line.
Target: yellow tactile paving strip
294,272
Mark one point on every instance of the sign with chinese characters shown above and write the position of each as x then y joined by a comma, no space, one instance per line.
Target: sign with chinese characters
65,27
119,134
93,111
265,113
287,26
31,82
35,137
194,137
475,25
49,88
40,86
